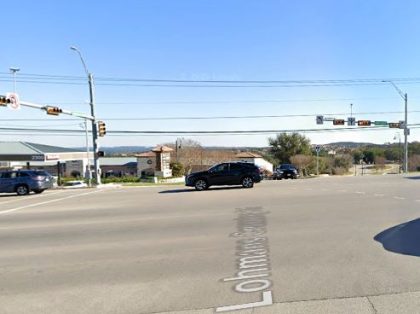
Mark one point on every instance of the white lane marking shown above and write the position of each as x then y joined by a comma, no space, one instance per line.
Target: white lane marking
360,192
379,194
47,202
20,198
399,198
418,201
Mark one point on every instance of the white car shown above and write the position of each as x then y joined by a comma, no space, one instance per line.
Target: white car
75,184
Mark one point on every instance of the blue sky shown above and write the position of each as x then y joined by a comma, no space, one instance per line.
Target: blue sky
212,40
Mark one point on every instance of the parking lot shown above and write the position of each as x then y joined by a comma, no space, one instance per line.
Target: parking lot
322,245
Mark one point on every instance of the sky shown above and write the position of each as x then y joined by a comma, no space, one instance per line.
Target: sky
211,40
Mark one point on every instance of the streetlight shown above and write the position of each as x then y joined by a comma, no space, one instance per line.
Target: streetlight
92,110
406,130
14,70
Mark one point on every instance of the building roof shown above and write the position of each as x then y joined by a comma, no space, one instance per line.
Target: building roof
22,148
162,149
26,151
117,161
248,155
146,155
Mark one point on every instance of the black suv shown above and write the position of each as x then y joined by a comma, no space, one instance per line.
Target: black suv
285,171
228,173
24,181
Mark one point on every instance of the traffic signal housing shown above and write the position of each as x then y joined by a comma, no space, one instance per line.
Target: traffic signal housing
338,122
55,111
364,123
101,128
394,125
4,101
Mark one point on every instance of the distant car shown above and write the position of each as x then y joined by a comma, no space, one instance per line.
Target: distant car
285,171
228,173
75,184
22,182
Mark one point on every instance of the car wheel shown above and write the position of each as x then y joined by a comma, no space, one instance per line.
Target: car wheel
200,185
22,190
247,182
38,191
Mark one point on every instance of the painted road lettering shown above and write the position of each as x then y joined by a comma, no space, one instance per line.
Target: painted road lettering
253,262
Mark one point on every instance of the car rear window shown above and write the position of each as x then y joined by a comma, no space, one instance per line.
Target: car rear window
40,173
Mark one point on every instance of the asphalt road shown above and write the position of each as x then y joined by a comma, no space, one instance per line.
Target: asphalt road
322,245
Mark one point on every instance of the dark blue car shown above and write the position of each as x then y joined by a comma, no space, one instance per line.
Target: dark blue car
23,182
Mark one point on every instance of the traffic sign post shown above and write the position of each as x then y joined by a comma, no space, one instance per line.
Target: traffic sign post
317,148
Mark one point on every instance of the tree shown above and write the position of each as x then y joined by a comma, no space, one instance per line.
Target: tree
188,153
302,162
284,146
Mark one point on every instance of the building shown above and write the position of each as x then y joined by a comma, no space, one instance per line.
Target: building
146,164
118,166
155,162
256,159
54,159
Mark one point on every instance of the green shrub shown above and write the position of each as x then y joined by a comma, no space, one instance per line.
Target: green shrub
177,169
124,179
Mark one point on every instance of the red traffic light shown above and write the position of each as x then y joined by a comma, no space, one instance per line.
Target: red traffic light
55,111
4,101
338,122
364,123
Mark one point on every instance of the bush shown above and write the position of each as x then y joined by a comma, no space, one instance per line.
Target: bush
124,179
177,169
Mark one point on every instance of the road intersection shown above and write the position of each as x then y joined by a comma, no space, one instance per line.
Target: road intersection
333,245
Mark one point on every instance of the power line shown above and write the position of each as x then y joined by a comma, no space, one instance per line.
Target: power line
300,81
219,117
182,132
134,82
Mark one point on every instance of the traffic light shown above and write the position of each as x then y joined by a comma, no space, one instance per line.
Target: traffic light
4,101
364,123
55,111
101,128
394,125
338,122
101,153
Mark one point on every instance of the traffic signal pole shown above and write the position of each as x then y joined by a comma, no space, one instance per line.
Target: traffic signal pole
94,129
406,130
92,111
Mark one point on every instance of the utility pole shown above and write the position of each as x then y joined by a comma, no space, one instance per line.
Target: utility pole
92,112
